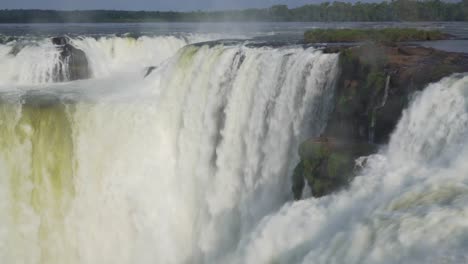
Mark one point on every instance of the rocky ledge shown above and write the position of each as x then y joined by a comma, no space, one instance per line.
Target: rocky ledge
375,85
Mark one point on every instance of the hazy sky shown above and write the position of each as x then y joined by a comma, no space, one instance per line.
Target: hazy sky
181,5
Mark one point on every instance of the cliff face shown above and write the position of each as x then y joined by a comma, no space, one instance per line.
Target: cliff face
375,86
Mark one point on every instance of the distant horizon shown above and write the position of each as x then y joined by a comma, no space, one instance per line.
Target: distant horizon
215,8
402,10
162,6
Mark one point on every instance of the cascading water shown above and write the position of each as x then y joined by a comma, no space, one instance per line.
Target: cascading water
29,62
178,167
111,54
409,205
191,164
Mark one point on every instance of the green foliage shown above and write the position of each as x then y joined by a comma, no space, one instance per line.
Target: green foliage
347,55
280,12
375,80
378,35
312,149
397,10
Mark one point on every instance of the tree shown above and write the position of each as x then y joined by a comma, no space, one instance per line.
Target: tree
406,10
465,10
280,12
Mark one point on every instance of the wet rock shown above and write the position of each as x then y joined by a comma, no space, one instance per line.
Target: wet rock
16,49
74,64
60,40
149,70
327,164
78,67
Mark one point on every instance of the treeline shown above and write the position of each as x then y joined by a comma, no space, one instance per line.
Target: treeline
398,10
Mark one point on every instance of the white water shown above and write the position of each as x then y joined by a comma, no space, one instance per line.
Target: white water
38,60
35,63
192,164
409,205
115,54
179,167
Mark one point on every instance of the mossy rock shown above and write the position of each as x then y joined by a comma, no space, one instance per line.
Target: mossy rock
327,165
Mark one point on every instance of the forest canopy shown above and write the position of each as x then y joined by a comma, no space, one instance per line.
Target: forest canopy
398,10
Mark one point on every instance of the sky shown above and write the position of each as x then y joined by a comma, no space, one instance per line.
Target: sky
163,5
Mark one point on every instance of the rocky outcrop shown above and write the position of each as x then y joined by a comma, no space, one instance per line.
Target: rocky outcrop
375,86
377,83
74,64
59,41
327,164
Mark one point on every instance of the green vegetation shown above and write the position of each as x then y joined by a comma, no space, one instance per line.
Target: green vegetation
326,165
377,35
398,10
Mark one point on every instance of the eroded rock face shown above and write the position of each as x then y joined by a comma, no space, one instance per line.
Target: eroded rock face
75,61
376,84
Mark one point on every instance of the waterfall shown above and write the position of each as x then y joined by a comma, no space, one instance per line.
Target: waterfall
183,166
408,206
108,55
192,163
32,61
